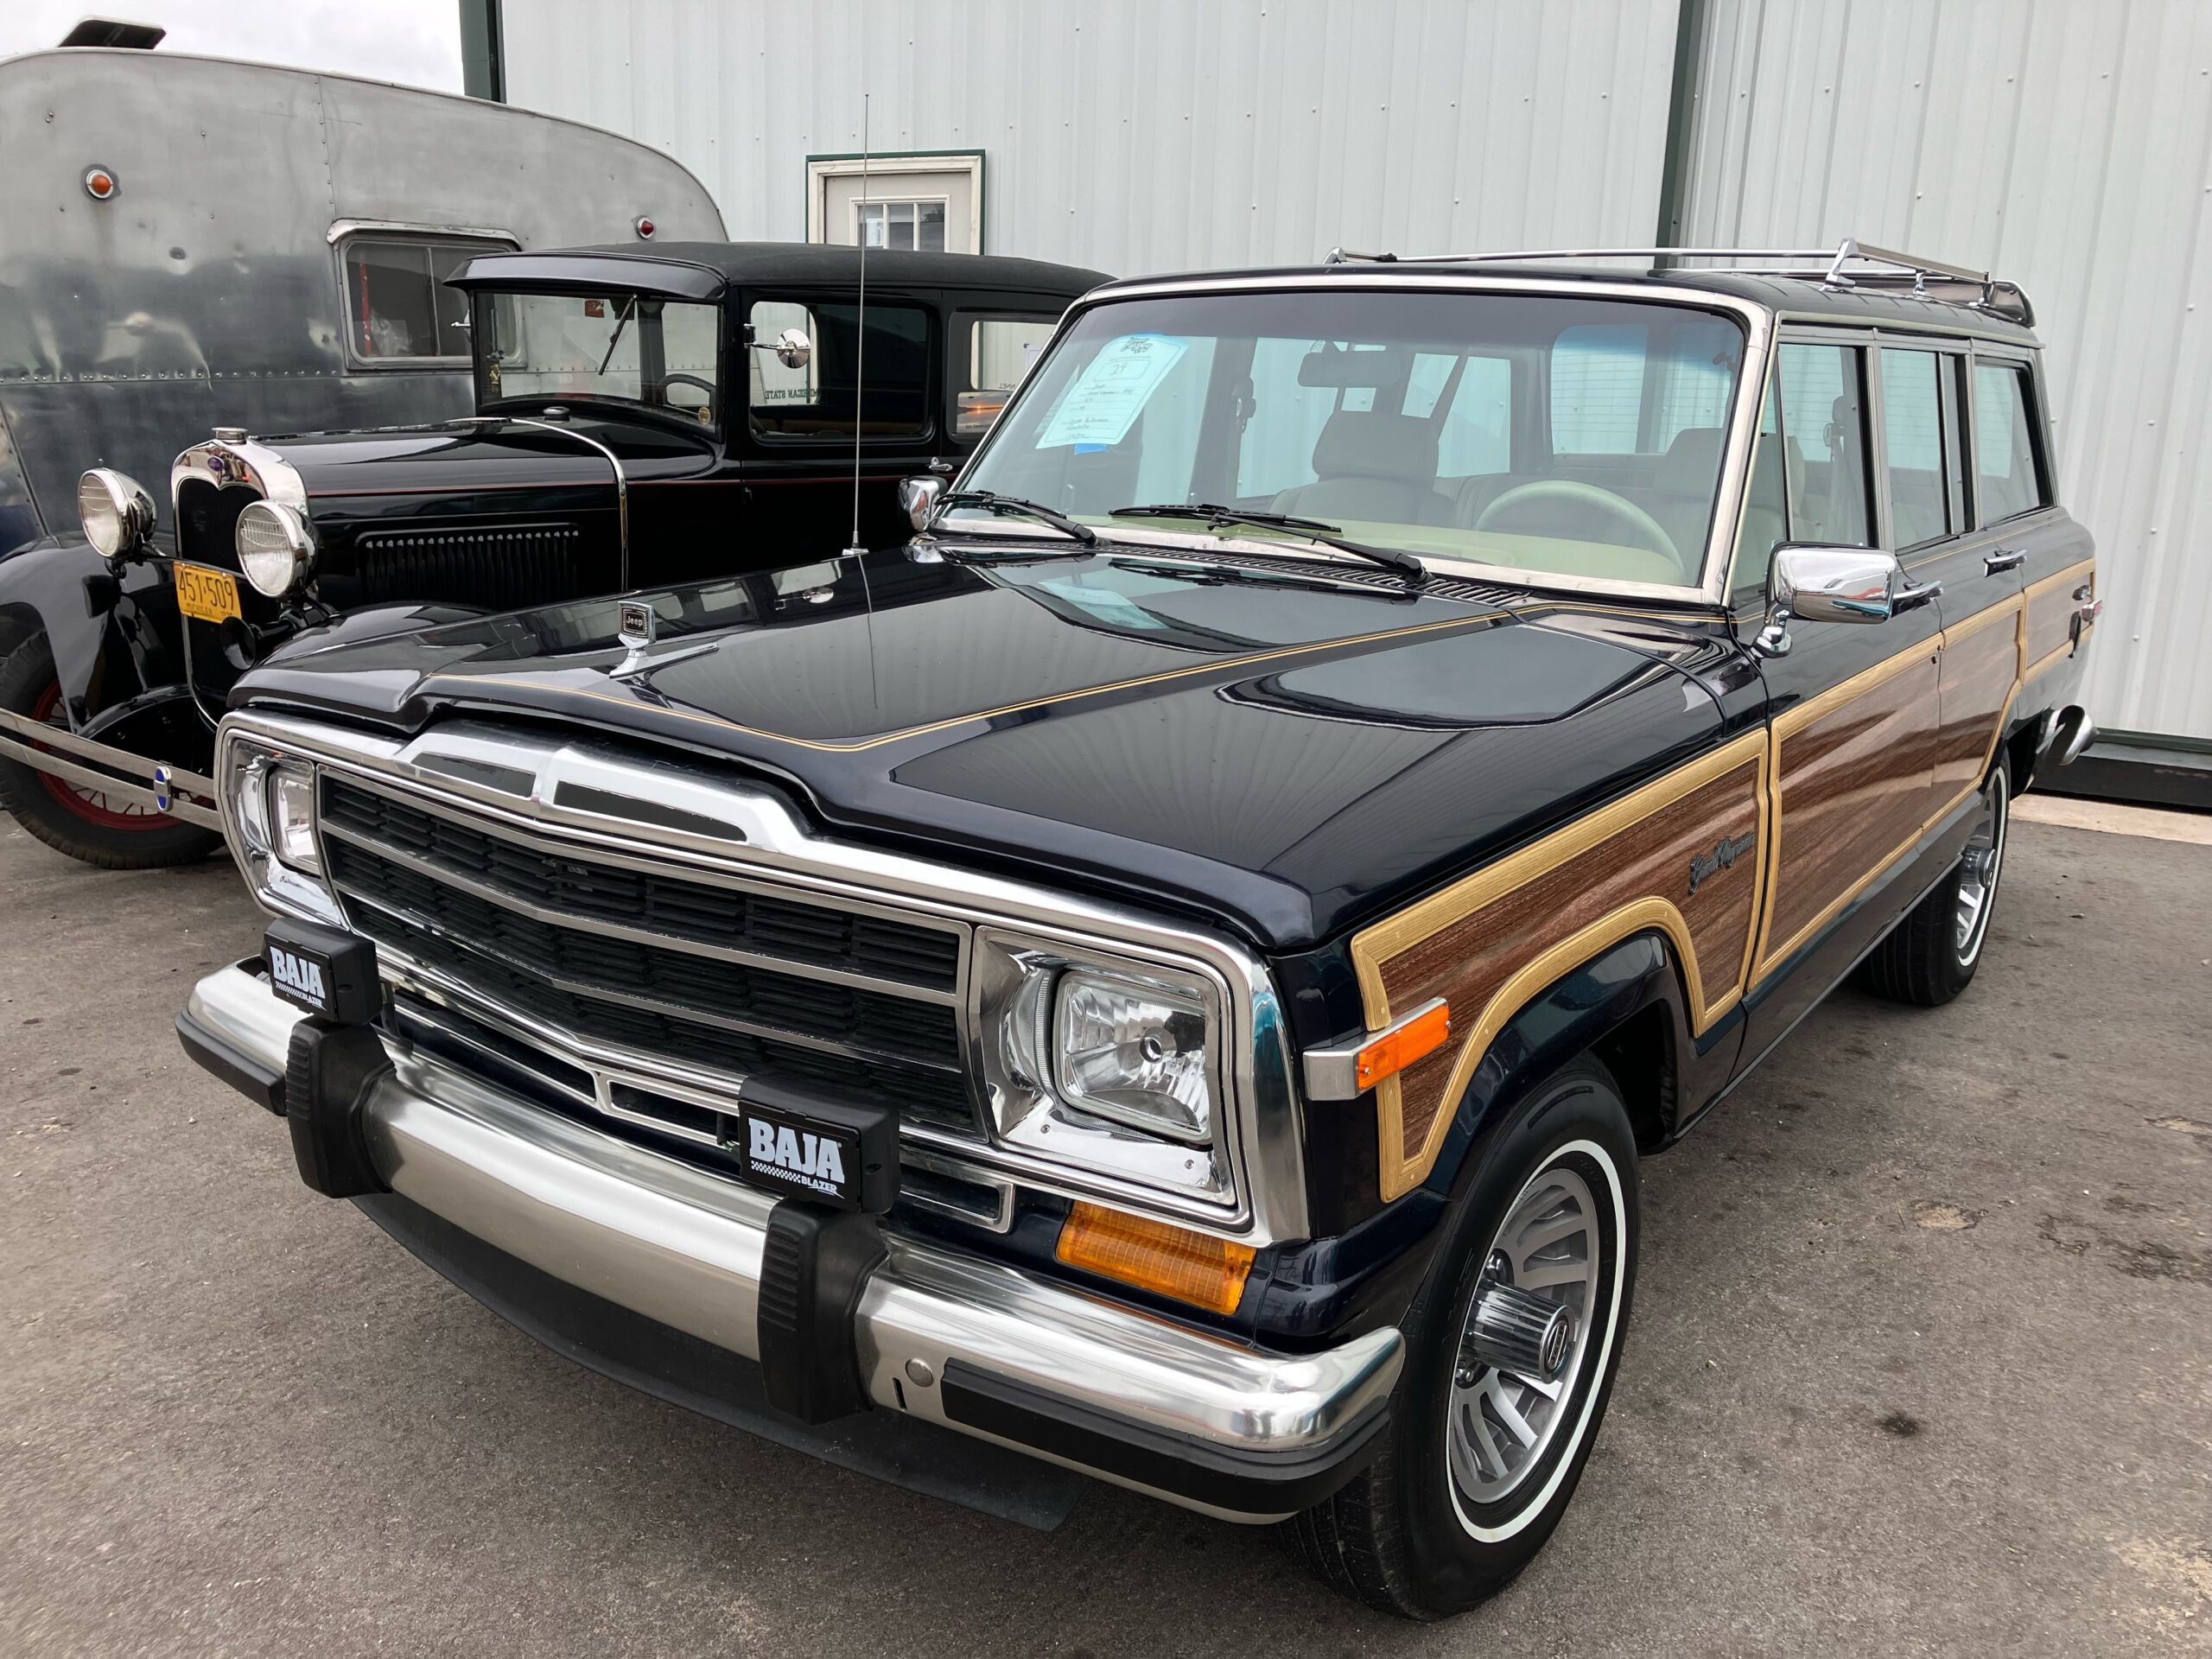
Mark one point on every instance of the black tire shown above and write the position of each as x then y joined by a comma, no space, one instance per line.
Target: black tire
67,819
1400,1537
1931,956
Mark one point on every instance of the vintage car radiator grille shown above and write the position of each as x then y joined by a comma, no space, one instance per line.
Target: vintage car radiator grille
712,978
500,567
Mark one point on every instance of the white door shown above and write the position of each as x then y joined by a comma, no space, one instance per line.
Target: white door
933,204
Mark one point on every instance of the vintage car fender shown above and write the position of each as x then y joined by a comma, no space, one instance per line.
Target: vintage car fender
66,590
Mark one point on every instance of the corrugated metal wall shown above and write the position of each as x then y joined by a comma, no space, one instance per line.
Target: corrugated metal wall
2067,145
1148,135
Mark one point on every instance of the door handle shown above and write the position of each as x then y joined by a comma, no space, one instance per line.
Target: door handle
2005,558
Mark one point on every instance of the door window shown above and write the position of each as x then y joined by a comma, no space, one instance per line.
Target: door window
2008,480
879,392
1921,488
397,307
1824,440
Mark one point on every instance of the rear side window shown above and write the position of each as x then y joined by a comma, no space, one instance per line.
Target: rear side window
2008,478
398,310
1912,444
1616,391
1000,352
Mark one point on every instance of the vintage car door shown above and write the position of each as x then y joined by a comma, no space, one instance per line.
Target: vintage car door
1853,708
797,436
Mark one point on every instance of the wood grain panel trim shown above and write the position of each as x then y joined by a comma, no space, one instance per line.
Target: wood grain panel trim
1492,941
2051,606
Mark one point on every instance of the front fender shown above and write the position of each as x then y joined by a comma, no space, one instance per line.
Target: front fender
109,632
1369,1275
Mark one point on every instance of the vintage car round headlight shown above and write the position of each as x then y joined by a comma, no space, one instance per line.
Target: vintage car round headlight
116,512
276,548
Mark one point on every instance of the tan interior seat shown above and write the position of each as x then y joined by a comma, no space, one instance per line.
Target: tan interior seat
1371,465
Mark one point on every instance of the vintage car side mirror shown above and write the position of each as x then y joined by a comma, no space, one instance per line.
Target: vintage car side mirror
918,499
793,349
1823,583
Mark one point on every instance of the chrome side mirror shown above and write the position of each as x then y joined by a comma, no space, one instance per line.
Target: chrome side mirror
793,349
1833,584
918,499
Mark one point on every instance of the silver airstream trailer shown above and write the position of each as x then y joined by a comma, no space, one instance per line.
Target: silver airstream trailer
190,244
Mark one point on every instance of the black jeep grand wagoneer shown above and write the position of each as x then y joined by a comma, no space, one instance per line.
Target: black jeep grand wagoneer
1174,969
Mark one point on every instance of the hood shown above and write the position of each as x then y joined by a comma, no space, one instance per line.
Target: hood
455,458
1284,751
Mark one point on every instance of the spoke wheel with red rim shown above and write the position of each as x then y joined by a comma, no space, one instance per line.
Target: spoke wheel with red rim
94,805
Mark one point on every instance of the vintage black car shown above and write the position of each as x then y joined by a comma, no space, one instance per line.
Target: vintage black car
1174,969
645,414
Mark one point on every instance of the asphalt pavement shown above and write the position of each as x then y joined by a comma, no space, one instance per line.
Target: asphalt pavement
1921,1362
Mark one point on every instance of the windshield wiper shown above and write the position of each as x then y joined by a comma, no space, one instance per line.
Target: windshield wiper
990,501
621,321
1312,529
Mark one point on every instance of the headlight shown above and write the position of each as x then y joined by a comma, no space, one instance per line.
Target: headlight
274,546
1134,1052
270,802
1109,1066
116,512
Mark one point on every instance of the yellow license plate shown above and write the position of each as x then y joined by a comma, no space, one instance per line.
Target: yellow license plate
211,595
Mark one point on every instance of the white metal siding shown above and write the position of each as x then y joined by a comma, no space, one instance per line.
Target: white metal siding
2061,145
1140,136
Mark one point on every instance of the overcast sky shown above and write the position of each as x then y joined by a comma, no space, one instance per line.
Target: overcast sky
414,41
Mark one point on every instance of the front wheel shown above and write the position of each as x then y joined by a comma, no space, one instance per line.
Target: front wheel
1511,1353
86,823
1931,956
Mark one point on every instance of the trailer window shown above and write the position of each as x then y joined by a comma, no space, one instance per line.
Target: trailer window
398,310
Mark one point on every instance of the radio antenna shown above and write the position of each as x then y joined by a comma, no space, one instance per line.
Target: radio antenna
859,337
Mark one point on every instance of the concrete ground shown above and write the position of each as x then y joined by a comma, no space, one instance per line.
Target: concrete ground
1921,1362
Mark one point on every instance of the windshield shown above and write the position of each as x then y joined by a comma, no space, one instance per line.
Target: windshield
1581,437
631,347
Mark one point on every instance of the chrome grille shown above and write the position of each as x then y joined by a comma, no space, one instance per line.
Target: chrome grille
708,977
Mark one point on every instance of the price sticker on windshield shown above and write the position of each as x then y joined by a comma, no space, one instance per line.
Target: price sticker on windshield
1112,390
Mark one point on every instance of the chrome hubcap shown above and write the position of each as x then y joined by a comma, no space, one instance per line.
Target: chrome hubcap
1979,868
1527,1336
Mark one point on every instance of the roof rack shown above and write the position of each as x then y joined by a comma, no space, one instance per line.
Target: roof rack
1852,264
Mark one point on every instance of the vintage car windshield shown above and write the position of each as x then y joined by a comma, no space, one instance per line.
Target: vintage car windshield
1552,435
631,347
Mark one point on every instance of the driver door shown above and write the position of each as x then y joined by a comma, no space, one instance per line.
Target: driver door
1854,709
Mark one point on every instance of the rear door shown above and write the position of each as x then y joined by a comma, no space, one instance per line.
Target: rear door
1854,706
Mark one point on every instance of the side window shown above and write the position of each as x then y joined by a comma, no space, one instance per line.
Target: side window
1824,443
821,399
2008,480
1000,352
1766,515
397,307
1912,445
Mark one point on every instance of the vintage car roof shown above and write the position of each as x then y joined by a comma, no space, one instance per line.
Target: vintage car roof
1784,295
700,271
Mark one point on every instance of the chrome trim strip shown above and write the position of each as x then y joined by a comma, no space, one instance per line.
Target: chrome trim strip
621,478
1332,1072
181,804
1264,1138
554,917
684,1247
648,1004
342,228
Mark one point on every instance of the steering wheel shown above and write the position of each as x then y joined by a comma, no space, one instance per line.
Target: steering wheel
1643,529
677,377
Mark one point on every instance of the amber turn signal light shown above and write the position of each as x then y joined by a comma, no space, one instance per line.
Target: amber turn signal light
1153,1255
1400,1047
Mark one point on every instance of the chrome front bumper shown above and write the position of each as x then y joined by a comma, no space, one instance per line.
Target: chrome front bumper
121,775
980,1347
